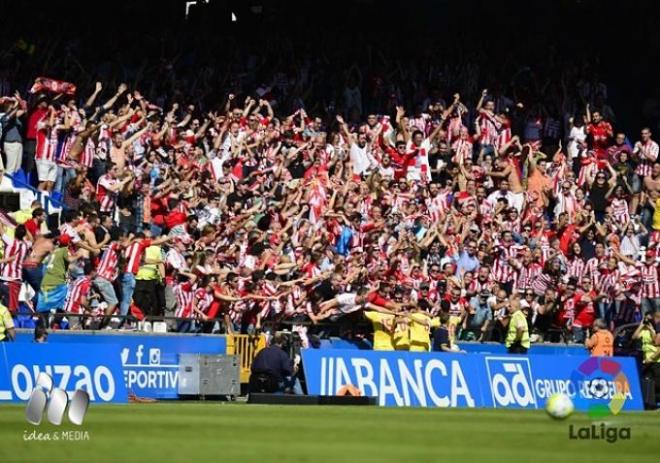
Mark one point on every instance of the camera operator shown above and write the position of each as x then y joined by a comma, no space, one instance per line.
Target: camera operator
273,371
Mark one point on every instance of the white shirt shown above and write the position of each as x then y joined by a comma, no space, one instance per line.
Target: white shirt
361,159
175,260
576,135
495,195
347,302
422,159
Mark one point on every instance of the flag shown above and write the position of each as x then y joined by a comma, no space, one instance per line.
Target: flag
317,202
42,84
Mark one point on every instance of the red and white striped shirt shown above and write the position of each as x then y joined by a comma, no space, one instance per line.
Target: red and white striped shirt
608,284
78,290
525,276
87,155
269,289
502,271
489,128
133,255
46,142
576,268
503,137
437,207
620,210
462,150
204,299
476,285
542,282
104,195
62,154
184,297
647,154
108,266
650,285
14,270
593,269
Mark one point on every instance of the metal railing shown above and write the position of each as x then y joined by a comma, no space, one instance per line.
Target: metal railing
246,346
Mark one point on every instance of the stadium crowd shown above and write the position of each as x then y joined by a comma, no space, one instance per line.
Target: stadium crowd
329,193
248,216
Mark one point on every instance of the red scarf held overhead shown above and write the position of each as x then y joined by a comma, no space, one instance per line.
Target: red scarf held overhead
51,85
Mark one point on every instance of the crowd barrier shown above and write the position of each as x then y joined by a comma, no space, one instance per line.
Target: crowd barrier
95,368
475,380
113,365
246,347
470,347
147,363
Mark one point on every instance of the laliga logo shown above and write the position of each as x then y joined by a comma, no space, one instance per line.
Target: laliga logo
54,402
510,381
603,387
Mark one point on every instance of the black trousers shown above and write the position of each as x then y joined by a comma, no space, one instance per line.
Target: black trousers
263,383
146,297
29,148
517,348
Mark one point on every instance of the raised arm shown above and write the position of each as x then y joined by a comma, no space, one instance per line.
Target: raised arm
187,117
121,119
480,103
345,131
111,102
90,101
129,141
230,98
268,107
249,104
588,114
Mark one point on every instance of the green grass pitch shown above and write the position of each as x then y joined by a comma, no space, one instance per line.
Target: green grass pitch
194,432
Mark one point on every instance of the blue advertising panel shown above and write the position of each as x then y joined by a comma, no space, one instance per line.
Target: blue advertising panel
95,369
477,347
475,380
150,362
536,349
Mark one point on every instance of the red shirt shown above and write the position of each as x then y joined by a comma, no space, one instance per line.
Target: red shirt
175,218
600,134
566,238
377,299
34,117
32,226
584,311
133,255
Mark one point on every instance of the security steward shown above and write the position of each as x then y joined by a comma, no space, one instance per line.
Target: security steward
7,331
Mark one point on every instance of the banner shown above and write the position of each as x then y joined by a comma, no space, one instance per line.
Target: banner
537,349
93,368
475,380
42,84
477,347
150,362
